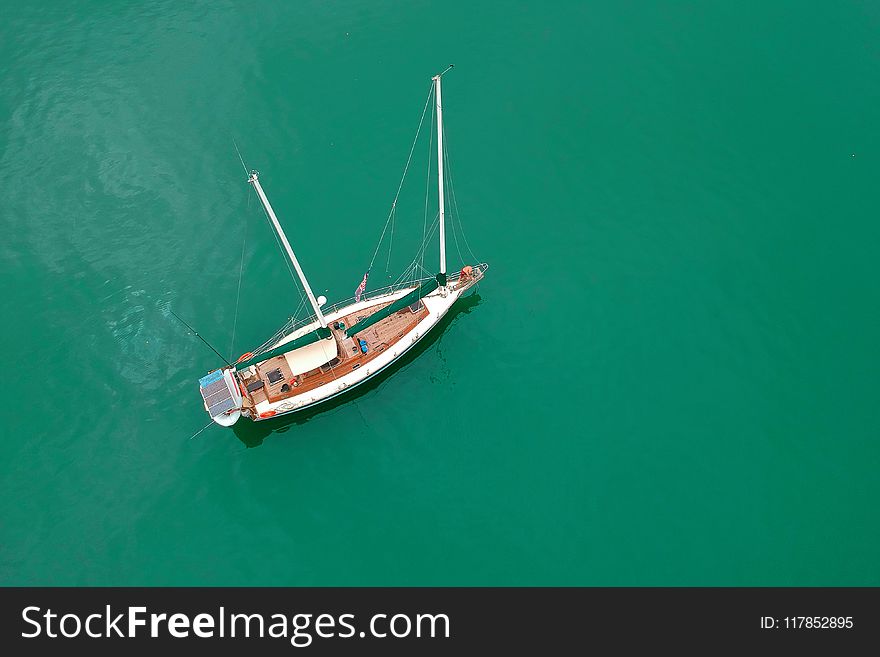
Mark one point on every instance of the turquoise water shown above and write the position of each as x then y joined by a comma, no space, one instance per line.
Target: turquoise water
669,376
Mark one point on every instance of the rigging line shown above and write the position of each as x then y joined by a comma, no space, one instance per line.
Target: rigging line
302,302
413,274
283,254
284,257
415,262
240,274
455,200
421,251
390,244
291,321
418,272
428,180
448,179
455,239
240,157
293,317
196,333
461,230
405,169
404,274
408,274
202,429
430,236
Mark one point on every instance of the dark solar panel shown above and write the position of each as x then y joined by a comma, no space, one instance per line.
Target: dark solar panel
213,388
217,397
221,407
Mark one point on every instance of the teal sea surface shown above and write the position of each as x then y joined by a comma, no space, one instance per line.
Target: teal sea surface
668,377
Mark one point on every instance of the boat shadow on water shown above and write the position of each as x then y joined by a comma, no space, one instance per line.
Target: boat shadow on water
252,434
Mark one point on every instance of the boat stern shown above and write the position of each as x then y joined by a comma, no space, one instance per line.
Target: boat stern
221,397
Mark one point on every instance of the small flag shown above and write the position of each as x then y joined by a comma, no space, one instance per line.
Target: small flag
360,289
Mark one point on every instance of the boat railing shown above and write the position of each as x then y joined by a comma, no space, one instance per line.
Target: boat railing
293,324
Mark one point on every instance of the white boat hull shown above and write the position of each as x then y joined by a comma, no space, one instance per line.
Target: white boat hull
227,420
437,303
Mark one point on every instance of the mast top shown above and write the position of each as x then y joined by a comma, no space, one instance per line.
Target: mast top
446,70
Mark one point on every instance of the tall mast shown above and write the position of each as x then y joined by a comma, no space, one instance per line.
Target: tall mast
438,98
253,179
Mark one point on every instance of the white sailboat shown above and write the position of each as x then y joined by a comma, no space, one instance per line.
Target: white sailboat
341,346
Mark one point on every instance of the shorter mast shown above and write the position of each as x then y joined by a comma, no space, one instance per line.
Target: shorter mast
254,180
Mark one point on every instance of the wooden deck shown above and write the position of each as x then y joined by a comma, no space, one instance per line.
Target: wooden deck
279,383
